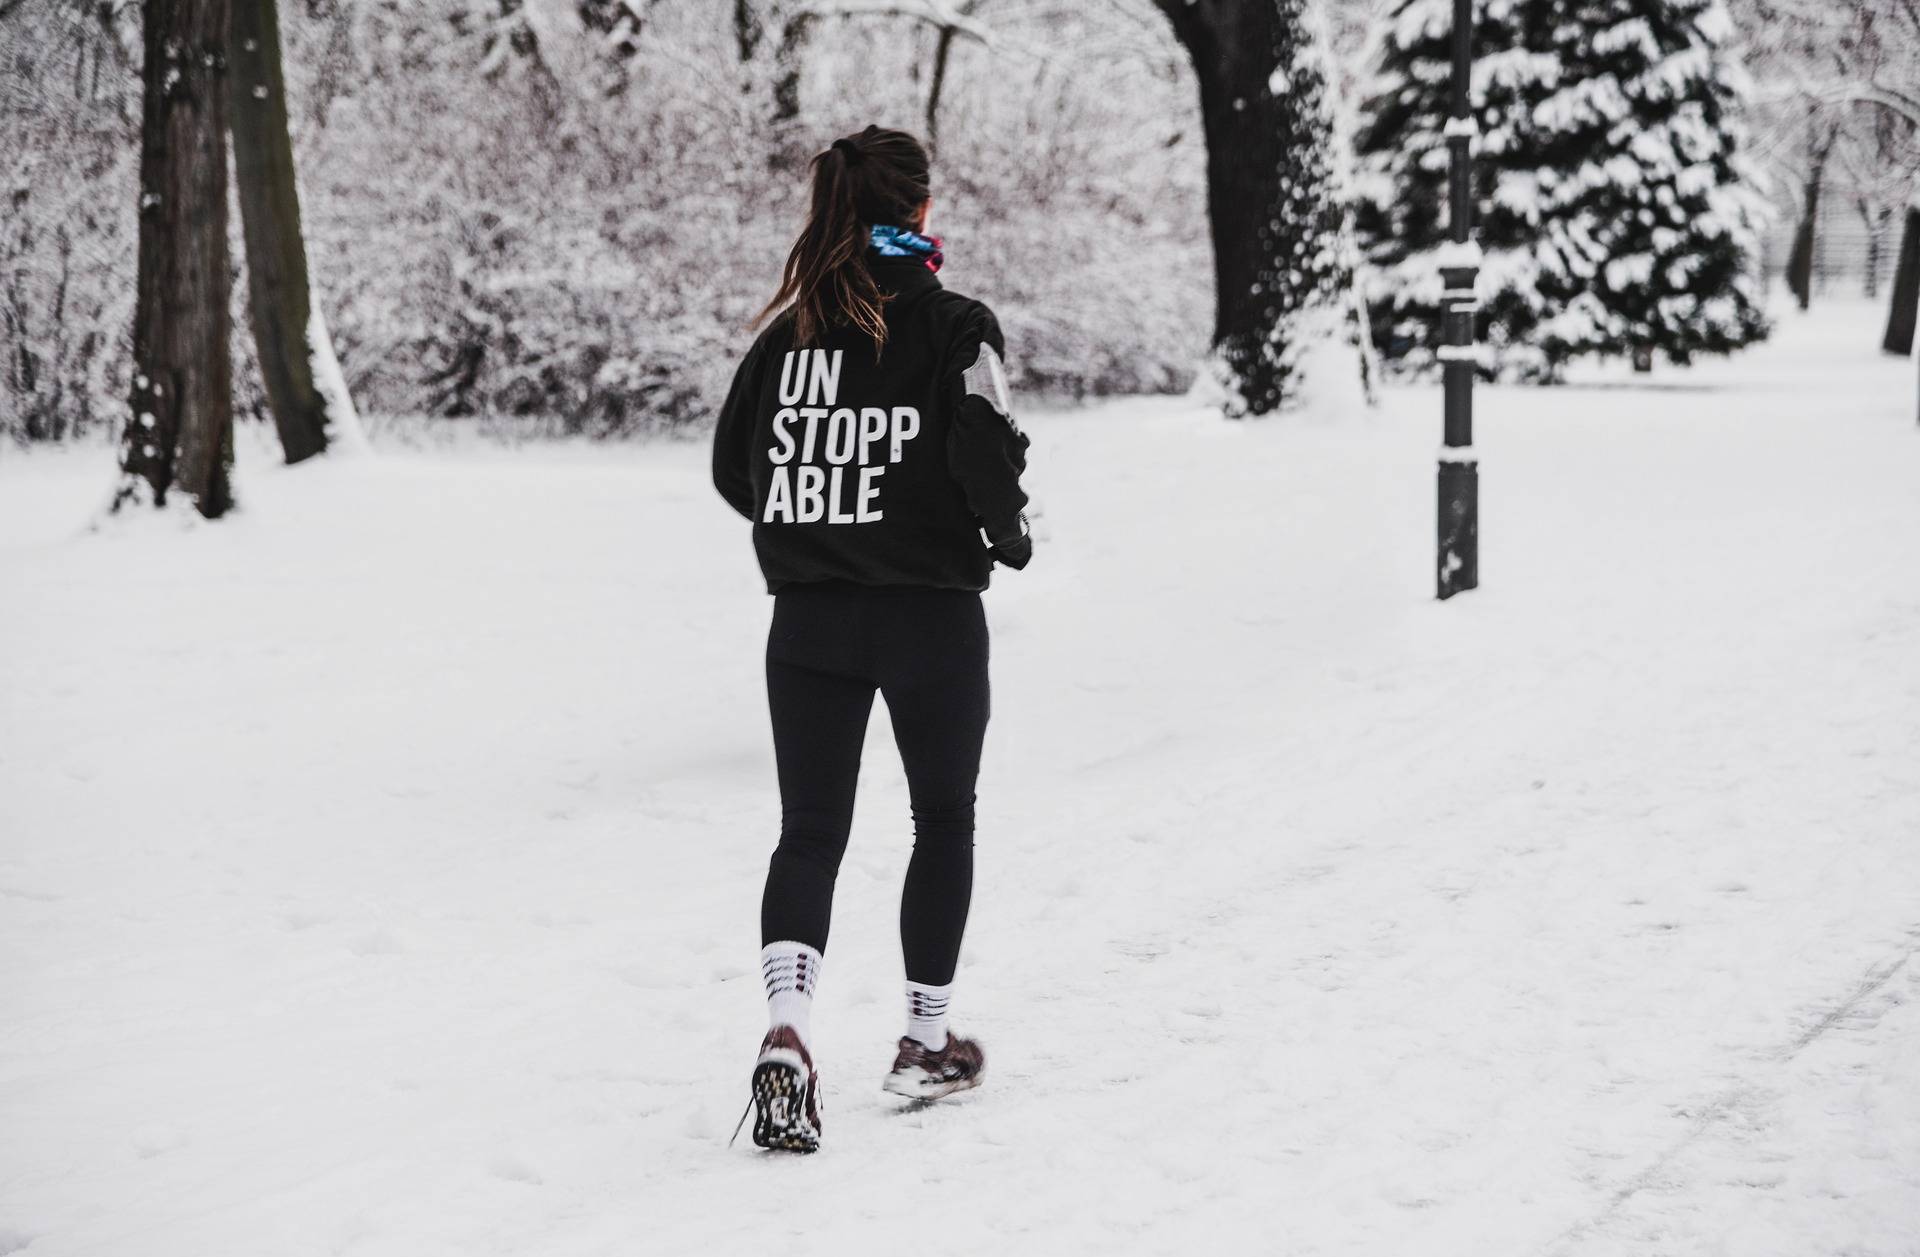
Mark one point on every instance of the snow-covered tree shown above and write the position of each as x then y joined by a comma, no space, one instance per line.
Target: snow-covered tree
1615,210
69,157
1836,112
1274,197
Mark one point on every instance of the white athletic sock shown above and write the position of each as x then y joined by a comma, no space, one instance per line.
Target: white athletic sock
791,971
927,1014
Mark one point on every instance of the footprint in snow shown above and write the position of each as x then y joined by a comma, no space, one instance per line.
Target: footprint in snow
513,1170
152,1141
376,943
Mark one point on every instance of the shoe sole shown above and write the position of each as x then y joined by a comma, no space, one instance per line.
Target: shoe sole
918,1084
780,1107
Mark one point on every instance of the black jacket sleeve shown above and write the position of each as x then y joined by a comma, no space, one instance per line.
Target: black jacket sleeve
733,434
985,450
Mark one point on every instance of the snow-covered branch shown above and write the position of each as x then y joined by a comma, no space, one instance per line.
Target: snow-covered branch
1903,104
934,12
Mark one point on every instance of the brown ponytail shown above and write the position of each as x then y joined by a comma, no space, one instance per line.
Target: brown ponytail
874,177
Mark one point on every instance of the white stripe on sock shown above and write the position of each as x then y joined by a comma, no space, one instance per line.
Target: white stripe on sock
927,1014
791,971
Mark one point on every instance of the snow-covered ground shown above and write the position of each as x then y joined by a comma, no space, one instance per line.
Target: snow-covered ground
379,869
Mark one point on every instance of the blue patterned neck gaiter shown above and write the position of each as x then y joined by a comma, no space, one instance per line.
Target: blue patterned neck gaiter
898,242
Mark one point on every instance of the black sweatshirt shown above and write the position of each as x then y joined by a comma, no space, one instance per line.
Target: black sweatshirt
879,472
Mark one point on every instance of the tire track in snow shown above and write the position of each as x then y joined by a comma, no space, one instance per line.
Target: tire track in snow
1732,1099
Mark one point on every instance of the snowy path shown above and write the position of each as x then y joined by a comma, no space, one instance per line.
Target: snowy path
379,870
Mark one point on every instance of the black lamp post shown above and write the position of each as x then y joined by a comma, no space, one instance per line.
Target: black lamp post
1459,558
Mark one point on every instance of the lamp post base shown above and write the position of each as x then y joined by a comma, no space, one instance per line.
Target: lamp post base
1459,558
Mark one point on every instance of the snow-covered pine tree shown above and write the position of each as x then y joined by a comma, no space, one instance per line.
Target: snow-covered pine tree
1616,215
1273,197
1400,192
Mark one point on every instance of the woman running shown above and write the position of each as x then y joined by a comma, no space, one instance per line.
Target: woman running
867,435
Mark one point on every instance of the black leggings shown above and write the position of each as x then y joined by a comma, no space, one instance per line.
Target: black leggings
831,646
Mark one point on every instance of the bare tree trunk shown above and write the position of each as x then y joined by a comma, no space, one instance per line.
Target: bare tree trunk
181,432
791,145
1905,309
787,67
1878,219
279,300
942,54
1800,260
1262,104
942,50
